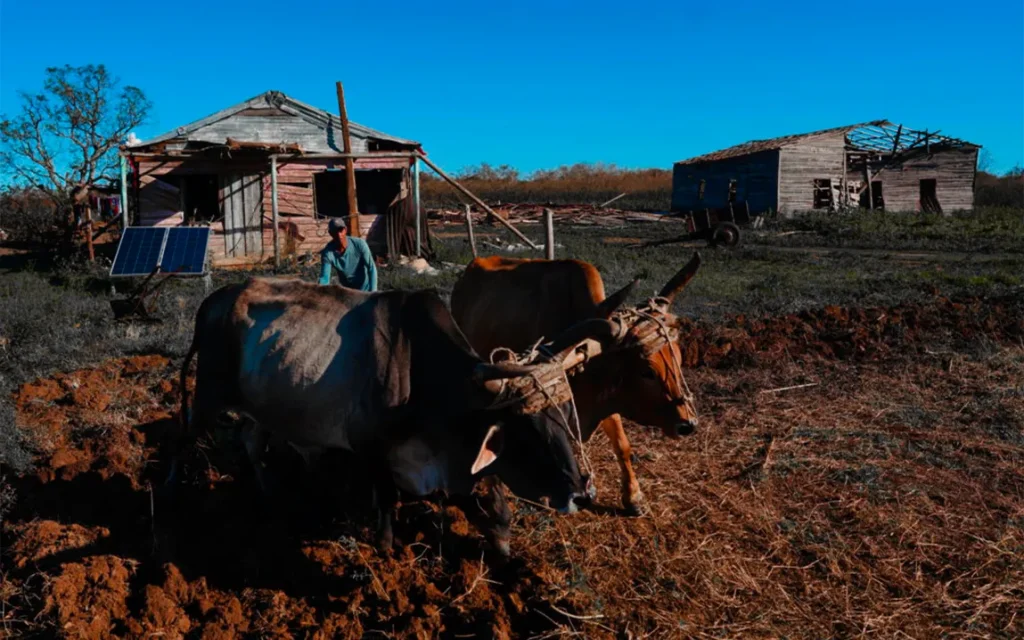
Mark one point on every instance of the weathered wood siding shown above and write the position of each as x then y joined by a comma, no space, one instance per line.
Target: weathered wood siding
273,125
755,177
952,169
803,162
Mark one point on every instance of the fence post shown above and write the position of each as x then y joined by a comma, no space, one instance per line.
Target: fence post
549,234
469,230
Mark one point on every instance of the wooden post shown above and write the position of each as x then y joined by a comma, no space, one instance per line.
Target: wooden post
350,169
480,203
844,200
88,230
549,234
124,193
469,231
416,203
273,209
871,196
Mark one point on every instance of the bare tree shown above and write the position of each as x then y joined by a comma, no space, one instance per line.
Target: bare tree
65,137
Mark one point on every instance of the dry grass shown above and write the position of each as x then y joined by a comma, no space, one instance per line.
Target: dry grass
820,512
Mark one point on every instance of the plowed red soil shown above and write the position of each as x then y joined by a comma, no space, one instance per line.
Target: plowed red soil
857,471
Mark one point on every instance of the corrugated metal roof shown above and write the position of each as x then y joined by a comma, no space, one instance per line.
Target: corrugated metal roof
773,144
290,105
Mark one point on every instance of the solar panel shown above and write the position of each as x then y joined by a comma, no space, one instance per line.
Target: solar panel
139,251
180,250
185,250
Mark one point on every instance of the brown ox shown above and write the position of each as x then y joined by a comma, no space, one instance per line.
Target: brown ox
514,302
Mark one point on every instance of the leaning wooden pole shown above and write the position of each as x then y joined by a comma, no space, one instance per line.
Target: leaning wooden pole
350,168
480,203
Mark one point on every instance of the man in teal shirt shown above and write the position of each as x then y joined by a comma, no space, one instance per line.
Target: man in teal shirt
349,257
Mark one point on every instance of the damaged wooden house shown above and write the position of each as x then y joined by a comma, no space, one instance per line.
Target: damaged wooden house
873,165
226,170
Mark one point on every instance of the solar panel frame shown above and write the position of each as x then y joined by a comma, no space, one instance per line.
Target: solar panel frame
142,249
139,251
186,250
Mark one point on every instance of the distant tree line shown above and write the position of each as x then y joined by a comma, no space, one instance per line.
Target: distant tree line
1006,190
645,189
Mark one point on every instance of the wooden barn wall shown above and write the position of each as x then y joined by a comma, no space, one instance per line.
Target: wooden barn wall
952,169
755,177
803,162
299,229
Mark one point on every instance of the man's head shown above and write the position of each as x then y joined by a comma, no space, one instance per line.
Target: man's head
338,230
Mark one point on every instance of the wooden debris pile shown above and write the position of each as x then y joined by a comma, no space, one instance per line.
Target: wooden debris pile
571,214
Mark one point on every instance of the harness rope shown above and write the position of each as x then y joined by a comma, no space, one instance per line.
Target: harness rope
629,320
530,356
667,335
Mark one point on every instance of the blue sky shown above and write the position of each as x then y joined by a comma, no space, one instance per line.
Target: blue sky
637,84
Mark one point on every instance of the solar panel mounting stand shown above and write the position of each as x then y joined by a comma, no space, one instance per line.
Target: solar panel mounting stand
135,306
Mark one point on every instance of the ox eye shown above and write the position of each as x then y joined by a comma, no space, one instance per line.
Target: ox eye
649,374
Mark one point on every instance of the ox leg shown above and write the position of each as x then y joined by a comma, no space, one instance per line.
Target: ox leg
632,497
255,439
494,518
385,497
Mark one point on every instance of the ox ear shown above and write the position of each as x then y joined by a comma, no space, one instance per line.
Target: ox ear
681,279
490,448
610,305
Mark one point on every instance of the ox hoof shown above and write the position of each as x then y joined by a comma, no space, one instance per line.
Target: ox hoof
385,543
500,543
503,548
635,506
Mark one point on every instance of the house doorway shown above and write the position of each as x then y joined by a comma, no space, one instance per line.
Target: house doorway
929,197
200,198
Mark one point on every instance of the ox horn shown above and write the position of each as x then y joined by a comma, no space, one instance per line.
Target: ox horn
594,328
681,279
611,304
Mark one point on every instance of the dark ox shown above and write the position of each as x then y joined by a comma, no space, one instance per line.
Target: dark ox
388,376
514,302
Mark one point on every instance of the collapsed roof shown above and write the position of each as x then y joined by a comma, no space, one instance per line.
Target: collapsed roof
876,136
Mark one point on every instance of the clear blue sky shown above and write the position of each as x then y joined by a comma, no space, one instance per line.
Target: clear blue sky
638,84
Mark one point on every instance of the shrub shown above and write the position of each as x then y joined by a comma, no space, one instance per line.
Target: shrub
28,215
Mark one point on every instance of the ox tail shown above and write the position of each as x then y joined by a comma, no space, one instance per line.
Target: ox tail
182,441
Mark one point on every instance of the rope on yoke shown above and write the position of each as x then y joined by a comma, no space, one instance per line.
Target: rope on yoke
564,422
511,396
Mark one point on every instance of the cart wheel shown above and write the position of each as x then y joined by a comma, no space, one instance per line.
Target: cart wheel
726,234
